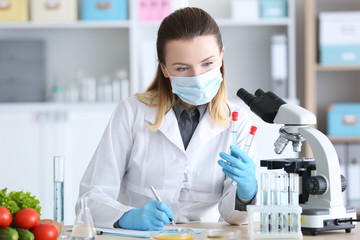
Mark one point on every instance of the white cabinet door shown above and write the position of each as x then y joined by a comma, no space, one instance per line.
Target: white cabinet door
21,164
30,139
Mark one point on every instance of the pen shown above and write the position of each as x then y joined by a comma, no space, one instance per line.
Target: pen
159,199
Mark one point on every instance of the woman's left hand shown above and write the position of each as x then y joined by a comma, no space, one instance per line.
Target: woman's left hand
240,168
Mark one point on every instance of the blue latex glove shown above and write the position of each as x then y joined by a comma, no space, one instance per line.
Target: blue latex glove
153,215
240,168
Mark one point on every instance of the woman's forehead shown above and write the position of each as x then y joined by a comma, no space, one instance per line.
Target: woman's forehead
191,50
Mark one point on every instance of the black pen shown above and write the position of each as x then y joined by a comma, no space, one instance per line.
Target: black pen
159,199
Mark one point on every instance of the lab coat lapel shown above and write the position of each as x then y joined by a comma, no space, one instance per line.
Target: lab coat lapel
205,131
169,127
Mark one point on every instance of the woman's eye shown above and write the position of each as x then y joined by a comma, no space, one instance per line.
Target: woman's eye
181,69
208,64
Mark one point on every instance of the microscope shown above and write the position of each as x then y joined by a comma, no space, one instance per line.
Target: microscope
321,184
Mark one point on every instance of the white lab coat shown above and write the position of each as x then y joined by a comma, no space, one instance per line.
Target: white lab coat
130,158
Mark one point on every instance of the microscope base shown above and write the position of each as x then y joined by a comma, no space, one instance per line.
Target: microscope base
320,220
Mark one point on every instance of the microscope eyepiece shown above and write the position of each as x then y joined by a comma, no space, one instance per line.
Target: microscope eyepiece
245,96
263,104
259,92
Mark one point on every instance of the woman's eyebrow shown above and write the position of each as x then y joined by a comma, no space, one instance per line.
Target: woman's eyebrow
207,58
180,63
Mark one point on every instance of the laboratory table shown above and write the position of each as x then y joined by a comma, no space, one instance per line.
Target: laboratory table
355,232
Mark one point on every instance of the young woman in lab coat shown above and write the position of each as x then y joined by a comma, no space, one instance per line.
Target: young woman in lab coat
170,137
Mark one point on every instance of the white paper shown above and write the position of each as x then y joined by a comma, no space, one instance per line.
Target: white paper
136,233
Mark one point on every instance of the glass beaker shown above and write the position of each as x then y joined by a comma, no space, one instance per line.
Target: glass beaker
59,193
83,228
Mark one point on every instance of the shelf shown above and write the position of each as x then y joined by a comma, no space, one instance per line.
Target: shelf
344,139
127,23
259,22
52,106
323,68
66,25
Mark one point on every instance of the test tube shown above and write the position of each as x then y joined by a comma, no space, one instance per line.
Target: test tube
275,201
265,201
294,188
249,139
284,201
294,201
234,132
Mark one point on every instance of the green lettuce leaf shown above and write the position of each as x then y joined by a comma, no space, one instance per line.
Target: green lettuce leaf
16,200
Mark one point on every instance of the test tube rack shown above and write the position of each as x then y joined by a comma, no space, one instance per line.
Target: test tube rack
288,215
279,212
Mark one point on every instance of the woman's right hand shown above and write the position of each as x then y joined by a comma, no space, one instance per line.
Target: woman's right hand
153,215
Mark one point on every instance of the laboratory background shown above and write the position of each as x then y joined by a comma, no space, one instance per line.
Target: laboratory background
65,64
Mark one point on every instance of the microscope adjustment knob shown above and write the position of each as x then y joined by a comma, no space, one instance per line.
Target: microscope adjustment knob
343,183
316,185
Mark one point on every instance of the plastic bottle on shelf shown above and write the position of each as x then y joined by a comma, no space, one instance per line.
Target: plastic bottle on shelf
116,88
104,89
88,89
57,91
73,89
122,76
279,65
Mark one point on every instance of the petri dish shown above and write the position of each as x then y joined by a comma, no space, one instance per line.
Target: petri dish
173,234
212,234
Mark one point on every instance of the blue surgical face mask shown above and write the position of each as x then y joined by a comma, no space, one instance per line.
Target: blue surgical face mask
197,90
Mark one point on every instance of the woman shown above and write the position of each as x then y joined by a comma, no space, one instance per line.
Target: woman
170,137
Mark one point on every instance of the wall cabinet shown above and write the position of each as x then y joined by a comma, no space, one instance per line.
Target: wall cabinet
326,84
32,135
101,48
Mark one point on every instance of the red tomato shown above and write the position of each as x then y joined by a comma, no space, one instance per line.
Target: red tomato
5,217
45,231
27,218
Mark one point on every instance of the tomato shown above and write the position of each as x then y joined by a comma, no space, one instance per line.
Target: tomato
5,217
45,231
53,222
27,218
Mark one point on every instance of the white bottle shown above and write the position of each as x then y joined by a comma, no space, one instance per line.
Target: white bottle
57,91
91,88
122,75
73,90
116,89
279,65
107,89
104,90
